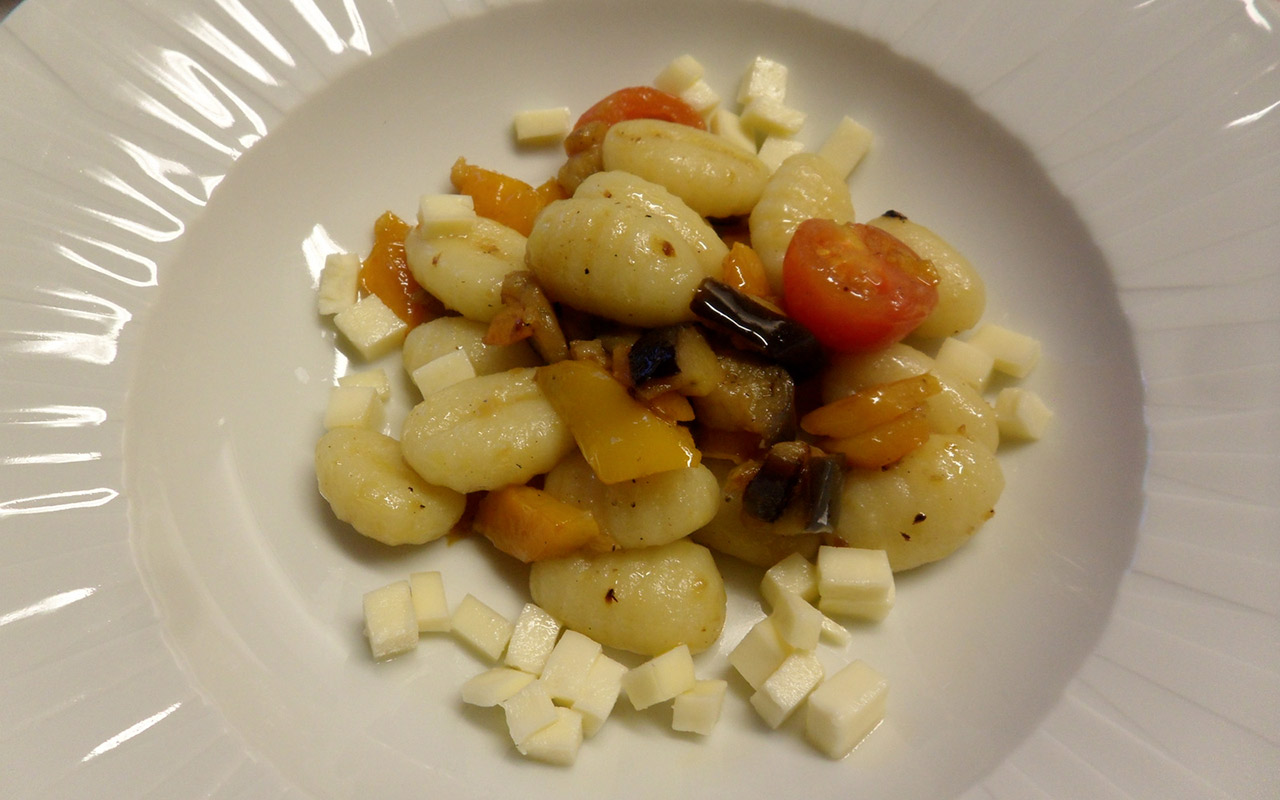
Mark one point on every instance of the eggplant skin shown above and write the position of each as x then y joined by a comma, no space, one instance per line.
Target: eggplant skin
755,327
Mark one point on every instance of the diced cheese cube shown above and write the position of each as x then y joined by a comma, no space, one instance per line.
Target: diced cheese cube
763,78
494,686
371,327
567,666
484,629
353,407
726,124
532,639
558,743
537,126
389,621
834,632
760,653
429,603
776,149
339,283
599,693
698,710
846,146
965,361
769,117
854,581
445,214
795,574
1021,413
681,73
797,622
660,678
529,711
701,97
787,687
376,378
845,708
1014,353
872,610
443,372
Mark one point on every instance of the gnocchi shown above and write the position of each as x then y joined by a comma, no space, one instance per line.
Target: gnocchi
805,186
962,296
465,271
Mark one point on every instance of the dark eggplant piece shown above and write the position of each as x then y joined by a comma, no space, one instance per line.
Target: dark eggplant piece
653,355
752,396
825,480
774,486
755,327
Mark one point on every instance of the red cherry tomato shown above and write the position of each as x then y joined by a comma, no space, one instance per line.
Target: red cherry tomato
856,287
641,102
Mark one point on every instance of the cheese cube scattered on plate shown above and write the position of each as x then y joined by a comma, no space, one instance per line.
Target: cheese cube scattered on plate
798,623
389,621
339,283
429,603
537,126
599,693
701,97
371,327
1021,413
484,629
678,75
698,709
443,372
494,687
445,214
795,574
845,708
376,378
528,711
557,743
769,117
789,685
532,639
660,678
728,125
567,666
854,581
763,78
776,149
759,654
846,146
353,407
966,361
1014,353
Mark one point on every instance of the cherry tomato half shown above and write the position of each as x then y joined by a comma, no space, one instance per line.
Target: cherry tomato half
856,287
641,102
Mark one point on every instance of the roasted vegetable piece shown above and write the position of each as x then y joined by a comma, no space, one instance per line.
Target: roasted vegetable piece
826,479
734,533
653,355
527,313
531,525
774,485
886,443
500,197
757,328
641,102
754,397
743,270
875,405
385,273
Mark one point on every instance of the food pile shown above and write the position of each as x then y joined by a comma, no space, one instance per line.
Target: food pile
681,343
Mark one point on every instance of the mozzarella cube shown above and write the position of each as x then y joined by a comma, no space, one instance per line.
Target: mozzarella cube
484,629
698,710
339,283
1014,353
965,361
763,78
567,666
353,407
678,75
787,687
845,708
375,378
795,574
760,653
727,125
443,372
429,603
558,743
854,581
494,686
769,117
660,678
834,632
532,639
846,146
371,327
798,623
1021,413
528,711
389,621
445,214
599,693
776,149
543,125
701,97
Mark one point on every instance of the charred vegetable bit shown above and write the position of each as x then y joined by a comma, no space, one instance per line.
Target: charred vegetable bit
825,481
527,313
754,326
653,355
775,485
752,396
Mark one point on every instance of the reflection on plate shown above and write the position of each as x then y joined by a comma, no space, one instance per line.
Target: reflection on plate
182,616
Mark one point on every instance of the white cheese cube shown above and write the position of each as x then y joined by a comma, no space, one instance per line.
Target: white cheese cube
846,146
701,97
558,743
389,621
1021,413
853,574
567,666
429,603
529,711
339,283
375,378
726,124
494,686
769,117
797,622
353,407
537,126
760,653
532,639
845,708
660,678
834,632
678,75
599,693
1014,353
871,610
776,149
965,361
763,78
371,327
795,574
698,710
445,214
443,372
787,687
484,629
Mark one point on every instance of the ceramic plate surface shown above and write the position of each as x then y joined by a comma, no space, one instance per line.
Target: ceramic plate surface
180,616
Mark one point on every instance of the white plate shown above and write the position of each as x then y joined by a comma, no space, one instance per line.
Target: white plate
180,618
